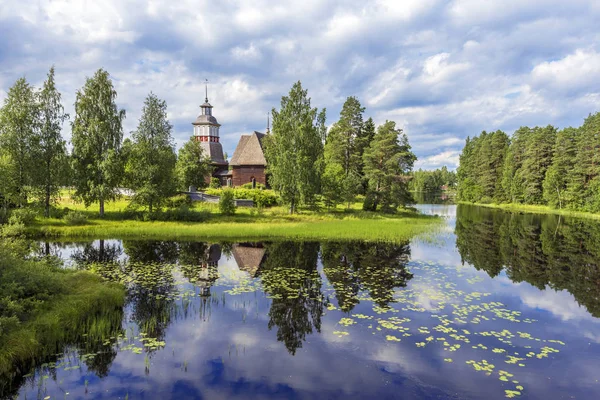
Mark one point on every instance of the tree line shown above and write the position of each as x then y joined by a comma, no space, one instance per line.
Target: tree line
35,163
539,165
432,180
306,163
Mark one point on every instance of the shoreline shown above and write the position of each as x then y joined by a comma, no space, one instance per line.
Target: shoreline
535,209
395,228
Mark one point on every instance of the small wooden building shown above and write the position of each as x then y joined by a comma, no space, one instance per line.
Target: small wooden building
248,163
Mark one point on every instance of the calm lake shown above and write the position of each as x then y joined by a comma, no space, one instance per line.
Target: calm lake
496,305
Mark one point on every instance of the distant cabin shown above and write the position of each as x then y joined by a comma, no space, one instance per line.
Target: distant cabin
248,163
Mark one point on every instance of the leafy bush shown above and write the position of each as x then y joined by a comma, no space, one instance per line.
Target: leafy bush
215,183
249,186
369,203
12,229
179,201
75,218
261,198
227,202
22,215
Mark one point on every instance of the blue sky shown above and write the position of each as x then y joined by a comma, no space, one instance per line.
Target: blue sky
442,69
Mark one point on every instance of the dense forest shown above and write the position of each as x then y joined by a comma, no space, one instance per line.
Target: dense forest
308,164
432,180
540,165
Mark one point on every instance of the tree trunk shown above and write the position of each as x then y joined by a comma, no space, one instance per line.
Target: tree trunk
101,207
150,206
47,202
292,206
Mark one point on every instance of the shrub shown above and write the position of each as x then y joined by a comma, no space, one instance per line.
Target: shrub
23,215
215,183
179,201
75,218
369,203
249,186
227,202
12,229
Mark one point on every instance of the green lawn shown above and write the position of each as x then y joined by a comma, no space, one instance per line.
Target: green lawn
247,223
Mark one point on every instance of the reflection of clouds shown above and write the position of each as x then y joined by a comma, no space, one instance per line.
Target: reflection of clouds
561,304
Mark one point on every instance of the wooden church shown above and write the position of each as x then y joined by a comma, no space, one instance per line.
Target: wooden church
248,163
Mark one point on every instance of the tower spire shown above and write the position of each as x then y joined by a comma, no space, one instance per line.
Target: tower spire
206,90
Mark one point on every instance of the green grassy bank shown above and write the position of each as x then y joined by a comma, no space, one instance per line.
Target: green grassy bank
204,221
43,307
537,209
314,226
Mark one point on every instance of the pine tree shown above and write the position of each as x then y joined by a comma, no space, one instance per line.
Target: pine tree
19,140
151,162
583,188
52,152
294,150
388,161
557,175
97,136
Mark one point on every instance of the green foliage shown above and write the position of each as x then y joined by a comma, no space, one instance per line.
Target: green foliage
26,216
261,198
19,141
75,218
227,202
179,200
249,186
51,154
96,138
215,183
150,166
432,181
192,166
542,166
294,150
388,161
482,168
42,303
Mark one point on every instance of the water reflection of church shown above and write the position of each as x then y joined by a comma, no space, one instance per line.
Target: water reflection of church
249,257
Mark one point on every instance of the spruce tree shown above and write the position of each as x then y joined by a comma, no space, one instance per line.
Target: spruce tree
388,161
151,162
557,175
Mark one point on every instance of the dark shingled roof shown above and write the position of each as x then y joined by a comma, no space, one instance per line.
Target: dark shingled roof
214,150
249,150
248,257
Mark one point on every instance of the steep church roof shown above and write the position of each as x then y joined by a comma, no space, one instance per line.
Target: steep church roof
249,150
248,257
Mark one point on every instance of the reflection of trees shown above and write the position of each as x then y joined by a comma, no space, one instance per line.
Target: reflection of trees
289,275
543,250
101,252
378,268
151,251
198,262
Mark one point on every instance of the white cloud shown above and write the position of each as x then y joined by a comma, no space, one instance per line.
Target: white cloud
442,70
578,72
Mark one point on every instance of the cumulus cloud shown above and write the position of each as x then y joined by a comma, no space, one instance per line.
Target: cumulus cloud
443,70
